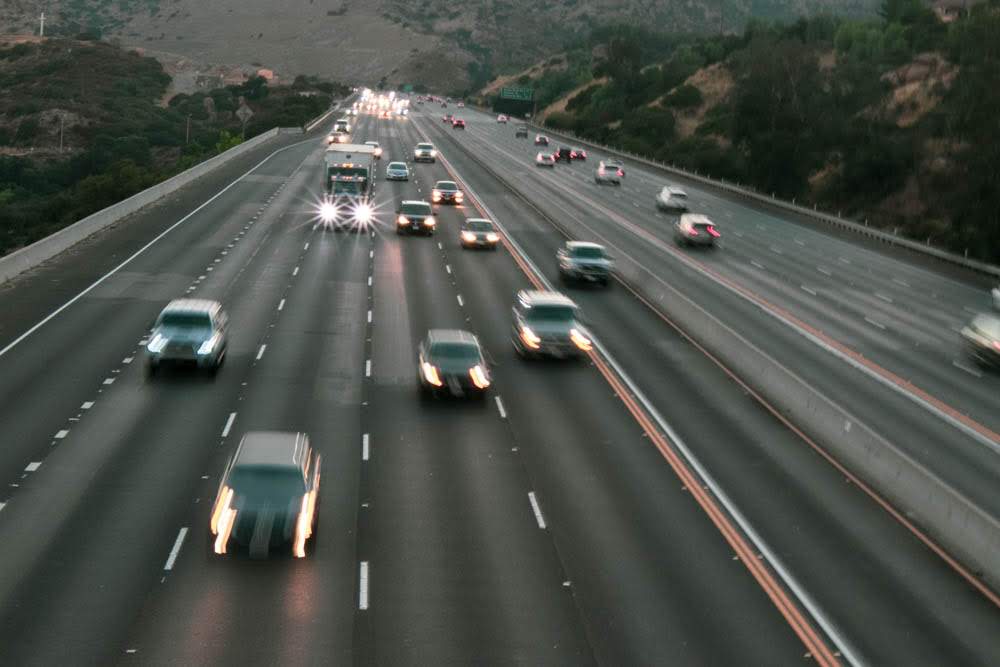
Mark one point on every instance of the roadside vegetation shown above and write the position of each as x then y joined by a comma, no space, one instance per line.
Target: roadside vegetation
892,120
103,106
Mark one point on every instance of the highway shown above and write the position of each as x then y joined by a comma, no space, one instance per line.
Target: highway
554,523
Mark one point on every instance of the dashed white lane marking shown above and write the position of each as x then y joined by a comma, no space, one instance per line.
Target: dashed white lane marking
902,283
844,260
363,585
281,305
371,254
87,405
536,509
825,271
260,352
364,447
447,267
62,434
800,242
808,290
368,368
369,316
296,271
127,360
503,413
440,247
229,424
460,302
970,371
776,250
369,281
875,323
306,246
884,297
169,565
108,381
33,466
2,505
757,264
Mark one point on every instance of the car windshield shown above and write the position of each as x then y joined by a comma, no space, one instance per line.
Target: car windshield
258,484
988,325
181,320
454,351
588,252
551,313
446,185
346,187
613,163
397,166
425,147
416,208
480,226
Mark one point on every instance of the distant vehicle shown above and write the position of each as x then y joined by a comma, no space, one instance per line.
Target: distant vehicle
444,105
521,131
461,105
342,125
541,140
672,198
337,137
548,324
397,171
190,332
349,184
268,496
564,153
608,173
451,360
696,229
415,216
424,153
446,118
502,118
479,233
580,261
378,149
545,160
458,124
982,339
578,154
446,192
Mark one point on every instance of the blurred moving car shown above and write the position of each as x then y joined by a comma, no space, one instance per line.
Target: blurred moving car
424,153
521,131
451,360
461,105
416,217
446,192
614,163
982,339
696,229
581,261
190,332
545,160
606,173
672,198
541,140
479,233
548,324
397,171
578,154
564,153
268,495
502,118
378,149
458,124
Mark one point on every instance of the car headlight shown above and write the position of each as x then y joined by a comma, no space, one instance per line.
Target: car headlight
434,153
363,213
492,237
402,220
479,377
156,344
429,221
580,340
327,212
529,338
459,196
435,195
208,345
468,237
431,374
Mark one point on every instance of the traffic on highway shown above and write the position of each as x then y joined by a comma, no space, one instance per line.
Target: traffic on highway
294,416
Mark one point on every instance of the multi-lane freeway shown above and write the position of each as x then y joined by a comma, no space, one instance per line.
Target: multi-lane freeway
640,507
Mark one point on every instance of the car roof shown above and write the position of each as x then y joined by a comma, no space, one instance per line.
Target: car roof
446,183
696,219
574,245
468,220
544,298
192,306
397,164
425,143
272,449
414,201
674,190
371,143
451,336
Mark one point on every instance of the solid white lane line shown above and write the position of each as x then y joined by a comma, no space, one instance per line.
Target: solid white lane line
87,405
503,413
281,305
260,352
108,381
808,290
536,509
368,368
369,316
460,302
62,434
447,267
875,323
229,424
364,447
296,271
33,466
363,585
970,371
169,565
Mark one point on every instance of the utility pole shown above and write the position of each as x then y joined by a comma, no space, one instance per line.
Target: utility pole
41,25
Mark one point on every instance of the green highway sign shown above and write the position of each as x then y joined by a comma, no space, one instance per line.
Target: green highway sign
523,94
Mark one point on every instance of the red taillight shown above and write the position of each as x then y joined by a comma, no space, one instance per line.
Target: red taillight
621,173
996,344
713,232
692,232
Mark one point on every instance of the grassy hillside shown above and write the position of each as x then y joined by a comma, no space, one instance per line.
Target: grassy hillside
893,120
116,138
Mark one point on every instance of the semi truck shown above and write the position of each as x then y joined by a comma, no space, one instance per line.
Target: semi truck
348,186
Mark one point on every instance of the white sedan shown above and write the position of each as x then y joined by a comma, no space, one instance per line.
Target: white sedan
672,198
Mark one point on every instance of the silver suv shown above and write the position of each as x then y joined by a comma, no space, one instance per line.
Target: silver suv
548,324
191,332
584,262
424,153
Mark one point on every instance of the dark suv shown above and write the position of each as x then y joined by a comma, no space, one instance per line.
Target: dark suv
521,131
564,153
416,217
